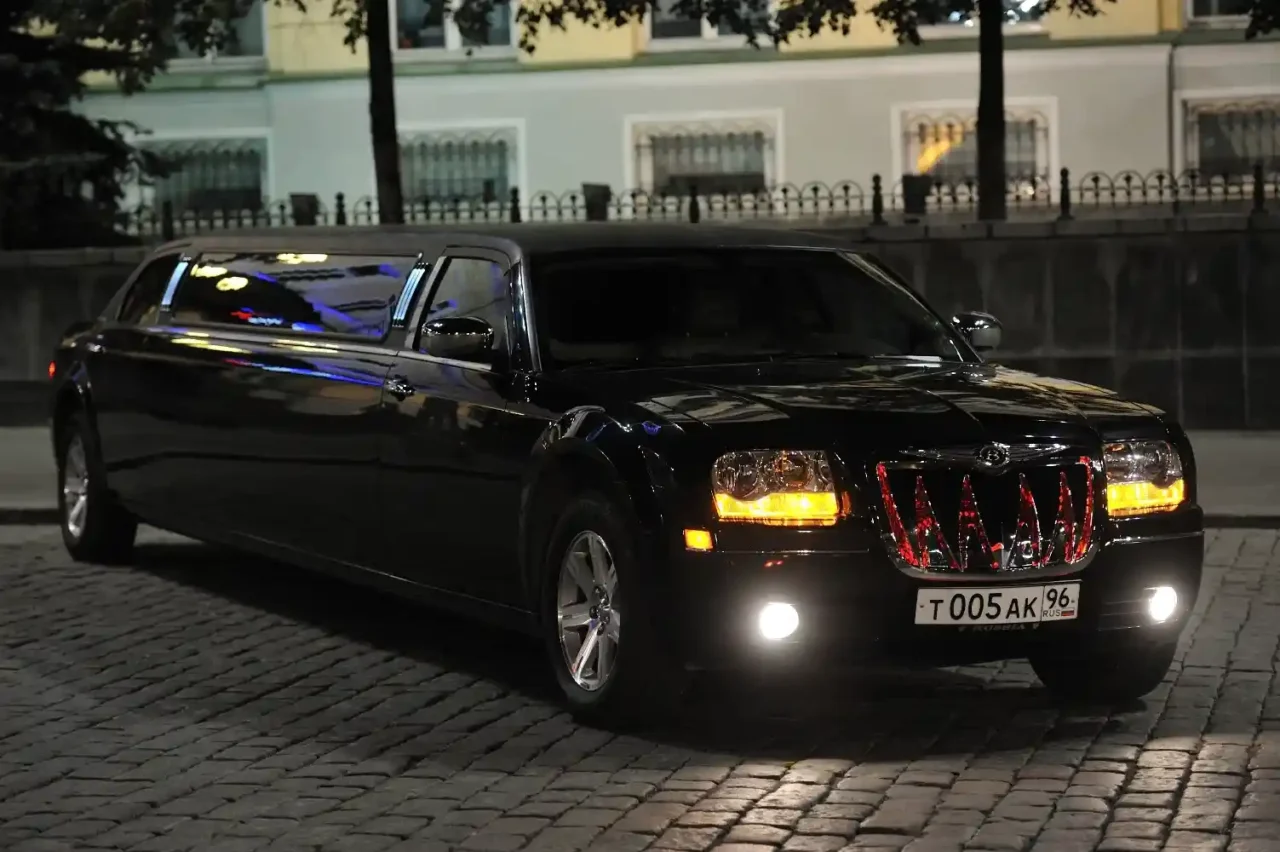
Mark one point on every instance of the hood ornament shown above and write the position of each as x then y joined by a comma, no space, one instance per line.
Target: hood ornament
923,546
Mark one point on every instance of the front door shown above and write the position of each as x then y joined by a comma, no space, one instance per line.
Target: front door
462,434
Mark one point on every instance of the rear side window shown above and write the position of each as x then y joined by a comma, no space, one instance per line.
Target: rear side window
300,292
141,304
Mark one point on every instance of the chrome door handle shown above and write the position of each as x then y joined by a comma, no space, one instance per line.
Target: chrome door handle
399,387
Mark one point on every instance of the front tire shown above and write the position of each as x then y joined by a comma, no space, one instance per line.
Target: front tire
95,528
1120,671
598,618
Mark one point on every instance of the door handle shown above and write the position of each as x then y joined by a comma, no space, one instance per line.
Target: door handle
399,387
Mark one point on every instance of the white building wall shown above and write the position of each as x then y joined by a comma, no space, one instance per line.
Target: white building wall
836,119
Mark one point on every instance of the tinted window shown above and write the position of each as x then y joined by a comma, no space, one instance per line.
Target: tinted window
310,293
470,287
693,306
141,304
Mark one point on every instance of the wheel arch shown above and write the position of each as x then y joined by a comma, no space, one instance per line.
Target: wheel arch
586,449
72,397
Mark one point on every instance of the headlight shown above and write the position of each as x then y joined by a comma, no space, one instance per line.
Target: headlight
1143,477
779,487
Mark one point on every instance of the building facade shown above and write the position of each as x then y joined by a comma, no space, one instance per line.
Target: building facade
665,105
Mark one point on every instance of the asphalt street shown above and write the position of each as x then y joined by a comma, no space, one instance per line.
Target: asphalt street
207,701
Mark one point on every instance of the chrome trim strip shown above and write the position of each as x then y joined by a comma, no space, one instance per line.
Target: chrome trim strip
184,262
407,294
1155,539
411,355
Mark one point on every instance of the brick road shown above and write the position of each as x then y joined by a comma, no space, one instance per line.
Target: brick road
202,701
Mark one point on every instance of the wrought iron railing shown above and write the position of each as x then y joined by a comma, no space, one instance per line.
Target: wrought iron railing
1128,194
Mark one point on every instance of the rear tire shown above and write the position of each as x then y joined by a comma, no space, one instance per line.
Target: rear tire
592,577
95,528
1120,671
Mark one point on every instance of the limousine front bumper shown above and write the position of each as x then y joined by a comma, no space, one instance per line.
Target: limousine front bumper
835,610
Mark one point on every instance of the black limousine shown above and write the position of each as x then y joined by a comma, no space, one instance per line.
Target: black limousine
660,449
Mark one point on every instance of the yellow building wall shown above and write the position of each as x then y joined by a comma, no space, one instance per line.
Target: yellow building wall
309,42
579,42
1126,18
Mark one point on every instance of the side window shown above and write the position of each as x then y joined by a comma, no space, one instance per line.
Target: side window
141,305
309,293
471,287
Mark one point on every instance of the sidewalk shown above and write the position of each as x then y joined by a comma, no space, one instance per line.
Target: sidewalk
1239,477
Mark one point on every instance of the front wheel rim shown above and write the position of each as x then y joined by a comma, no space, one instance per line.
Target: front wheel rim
587,617
75,487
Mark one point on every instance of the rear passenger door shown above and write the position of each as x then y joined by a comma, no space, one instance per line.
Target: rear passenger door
127,383
461,436
285,360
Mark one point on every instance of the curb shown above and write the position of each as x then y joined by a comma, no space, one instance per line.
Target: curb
25,516
1242,522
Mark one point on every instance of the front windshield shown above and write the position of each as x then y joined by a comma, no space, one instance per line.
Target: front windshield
695,306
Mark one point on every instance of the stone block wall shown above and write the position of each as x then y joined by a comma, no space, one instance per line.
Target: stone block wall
1183,313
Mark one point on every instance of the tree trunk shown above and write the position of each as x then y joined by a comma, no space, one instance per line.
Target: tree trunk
382,115
992,186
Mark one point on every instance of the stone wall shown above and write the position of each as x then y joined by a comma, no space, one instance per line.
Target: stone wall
1184,313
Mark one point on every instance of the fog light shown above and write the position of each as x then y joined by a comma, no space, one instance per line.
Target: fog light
778,621
1162,604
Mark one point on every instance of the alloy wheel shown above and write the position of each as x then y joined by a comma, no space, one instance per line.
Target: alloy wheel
75,487
587,619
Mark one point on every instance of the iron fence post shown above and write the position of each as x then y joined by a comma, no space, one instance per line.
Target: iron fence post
695,213
877,200
340,210
167,230
1259,189
515,205
1064,194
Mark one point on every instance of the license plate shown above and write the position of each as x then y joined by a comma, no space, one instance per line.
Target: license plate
1006,605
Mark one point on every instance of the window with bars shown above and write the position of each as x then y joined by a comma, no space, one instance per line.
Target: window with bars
210,176
249,41
423,24
672,161
945,147
1228,140
458,166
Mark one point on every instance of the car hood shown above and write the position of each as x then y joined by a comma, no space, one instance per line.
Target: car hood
881,404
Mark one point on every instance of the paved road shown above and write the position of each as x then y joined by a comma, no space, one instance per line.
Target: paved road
201,701
1239,475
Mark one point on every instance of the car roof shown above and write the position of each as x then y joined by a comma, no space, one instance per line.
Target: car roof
523,238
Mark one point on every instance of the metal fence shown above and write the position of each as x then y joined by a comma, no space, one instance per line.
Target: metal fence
1128,194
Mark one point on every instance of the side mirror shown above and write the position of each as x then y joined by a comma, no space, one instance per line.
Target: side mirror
983,331
458,339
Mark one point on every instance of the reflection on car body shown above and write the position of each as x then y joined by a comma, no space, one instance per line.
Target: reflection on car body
658,449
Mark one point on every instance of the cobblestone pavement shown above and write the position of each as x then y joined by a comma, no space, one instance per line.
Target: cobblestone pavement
202,701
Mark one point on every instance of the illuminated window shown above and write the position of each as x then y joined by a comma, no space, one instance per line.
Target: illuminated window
715,158
669,29
945,147
209,175
1016,13
249,39
423,25
447,167
1224,141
